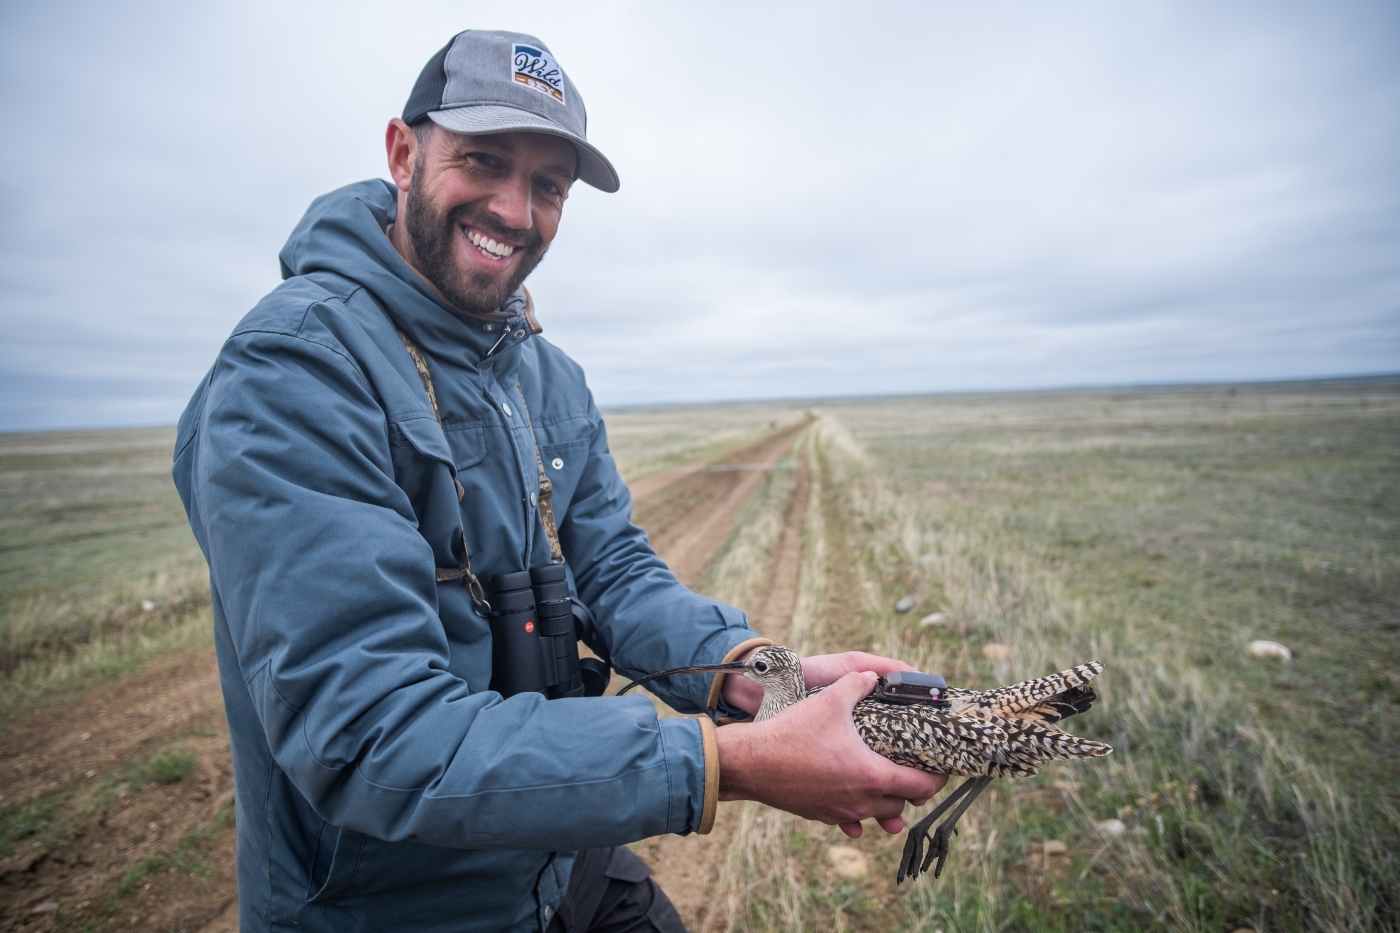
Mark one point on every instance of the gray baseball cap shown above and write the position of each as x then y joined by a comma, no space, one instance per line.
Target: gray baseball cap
485,81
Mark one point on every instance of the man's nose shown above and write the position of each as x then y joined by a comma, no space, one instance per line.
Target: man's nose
510,202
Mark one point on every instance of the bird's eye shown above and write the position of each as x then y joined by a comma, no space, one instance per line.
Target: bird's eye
761,666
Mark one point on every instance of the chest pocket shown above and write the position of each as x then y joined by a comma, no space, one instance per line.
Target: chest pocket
563,463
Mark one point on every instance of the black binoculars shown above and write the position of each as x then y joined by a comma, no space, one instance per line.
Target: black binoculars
535,629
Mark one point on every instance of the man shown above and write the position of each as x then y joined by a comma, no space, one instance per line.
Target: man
380,429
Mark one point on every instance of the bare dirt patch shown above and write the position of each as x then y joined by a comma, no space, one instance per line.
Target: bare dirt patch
121,803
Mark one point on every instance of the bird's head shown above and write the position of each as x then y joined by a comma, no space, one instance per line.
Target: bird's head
776,669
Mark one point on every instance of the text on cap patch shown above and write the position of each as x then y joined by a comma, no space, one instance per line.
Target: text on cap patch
536,68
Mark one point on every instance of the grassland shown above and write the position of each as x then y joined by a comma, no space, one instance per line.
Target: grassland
98,567
1160,531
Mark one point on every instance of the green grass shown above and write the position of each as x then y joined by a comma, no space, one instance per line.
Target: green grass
166,768
24,821
98,565
1160,531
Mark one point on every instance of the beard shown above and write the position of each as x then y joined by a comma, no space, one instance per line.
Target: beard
434,235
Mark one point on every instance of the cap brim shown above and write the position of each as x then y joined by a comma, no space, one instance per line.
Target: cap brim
593,166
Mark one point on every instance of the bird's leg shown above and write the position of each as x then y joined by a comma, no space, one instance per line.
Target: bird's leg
938,842
914,842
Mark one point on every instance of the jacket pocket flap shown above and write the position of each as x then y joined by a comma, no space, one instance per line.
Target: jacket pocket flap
423,435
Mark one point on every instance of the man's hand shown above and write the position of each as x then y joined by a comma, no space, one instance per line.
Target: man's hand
810,760
744,694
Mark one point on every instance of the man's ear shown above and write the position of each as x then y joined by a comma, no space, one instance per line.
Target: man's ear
401,146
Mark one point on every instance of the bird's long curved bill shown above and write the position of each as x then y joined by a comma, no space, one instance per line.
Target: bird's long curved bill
694,669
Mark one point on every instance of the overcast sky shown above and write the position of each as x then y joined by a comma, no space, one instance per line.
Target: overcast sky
817,199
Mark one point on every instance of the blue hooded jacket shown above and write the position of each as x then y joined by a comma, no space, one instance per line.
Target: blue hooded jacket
379,783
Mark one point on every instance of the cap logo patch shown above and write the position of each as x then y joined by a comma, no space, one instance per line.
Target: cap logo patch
537,69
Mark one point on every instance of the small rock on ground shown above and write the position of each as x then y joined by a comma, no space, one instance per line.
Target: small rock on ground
848,862
933,619
904,605
1054,847
997,653
1111,828
1270,649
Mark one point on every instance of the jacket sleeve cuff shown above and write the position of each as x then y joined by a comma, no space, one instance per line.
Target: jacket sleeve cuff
737,651
711,806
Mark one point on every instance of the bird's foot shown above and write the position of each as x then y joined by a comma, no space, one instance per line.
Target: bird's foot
938,848
915,860
913,857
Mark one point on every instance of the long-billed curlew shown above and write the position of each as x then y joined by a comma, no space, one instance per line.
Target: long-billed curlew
975,734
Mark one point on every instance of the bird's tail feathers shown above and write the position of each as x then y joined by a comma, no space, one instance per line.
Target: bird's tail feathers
1040,742
1029,694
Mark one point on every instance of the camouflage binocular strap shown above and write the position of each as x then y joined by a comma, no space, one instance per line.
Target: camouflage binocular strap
546,494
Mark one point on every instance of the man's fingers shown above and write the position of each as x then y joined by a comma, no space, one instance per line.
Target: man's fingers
825,668
851,688
893,825
911,783
852,829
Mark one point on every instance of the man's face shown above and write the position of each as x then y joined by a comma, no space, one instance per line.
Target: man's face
482,210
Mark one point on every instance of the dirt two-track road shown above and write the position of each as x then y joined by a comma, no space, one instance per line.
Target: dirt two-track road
137,853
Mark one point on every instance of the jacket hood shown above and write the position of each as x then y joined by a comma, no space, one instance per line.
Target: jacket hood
343,233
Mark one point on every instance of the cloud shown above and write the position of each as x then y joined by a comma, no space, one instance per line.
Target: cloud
816,200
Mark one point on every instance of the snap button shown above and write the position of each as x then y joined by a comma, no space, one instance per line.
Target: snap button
557,463
488,327
505,407
518,334
534,499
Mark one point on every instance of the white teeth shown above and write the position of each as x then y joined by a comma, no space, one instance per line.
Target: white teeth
488,245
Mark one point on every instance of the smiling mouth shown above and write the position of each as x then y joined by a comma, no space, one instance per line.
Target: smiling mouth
489,247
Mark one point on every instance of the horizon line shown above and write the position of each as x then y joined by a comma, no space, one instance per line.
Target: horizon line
817,399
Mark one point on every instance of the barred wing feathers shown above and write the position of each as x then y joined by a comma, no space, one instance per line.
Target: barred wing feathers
945,743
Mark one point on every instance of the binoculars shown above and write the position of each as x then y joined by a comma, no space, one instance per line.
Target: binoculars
535,629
